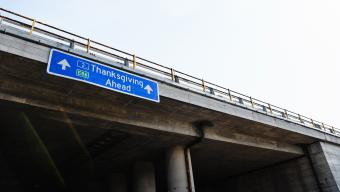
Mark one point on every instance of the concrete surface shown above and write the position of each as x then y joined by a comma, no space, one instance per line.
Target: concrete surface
144,179
294,176
177,170
326,161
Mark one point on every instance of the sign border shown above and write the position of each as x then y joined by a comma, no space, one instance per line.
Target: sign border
84,81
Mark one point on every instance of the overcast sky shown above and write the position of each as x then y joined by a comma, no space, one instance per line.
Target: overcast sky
286,52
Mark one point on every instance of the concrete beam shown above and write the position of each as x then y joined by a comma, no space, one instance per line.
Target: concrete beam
21,92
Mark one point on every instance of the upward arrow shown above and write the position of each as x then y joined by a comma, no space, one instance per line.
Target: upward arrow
64,64
148,89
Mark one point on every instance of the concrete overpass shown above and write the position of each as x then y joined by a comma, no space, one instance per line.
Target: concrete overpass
63,135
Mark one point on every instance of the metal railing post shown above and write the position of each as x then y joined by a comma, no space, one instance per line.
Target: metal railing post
301,119
230,98
134,61
176,79
333,129
312,122
286,114
88,45
126,62
251,101
203,85
212,90
72,44
240,100
172,74
33,25
270,108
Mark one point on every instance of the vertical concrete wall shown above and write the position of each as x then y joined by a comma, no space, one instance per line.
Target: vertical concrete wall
291,176
326,162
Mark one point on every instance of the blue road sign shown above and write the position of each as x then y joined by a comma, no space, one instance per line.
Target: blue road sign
73,67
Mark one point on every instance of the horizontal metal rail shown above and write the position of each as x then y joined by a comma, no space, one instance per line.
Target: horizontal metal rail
38,28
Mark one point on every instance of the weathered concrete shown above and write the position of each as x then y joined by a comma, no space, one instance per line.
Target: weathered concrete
70,97
292,176
144,177
39,51
177,171
326,162
51,100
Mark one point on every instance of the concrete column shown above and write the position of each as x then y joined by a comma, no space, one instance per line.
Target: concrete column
117,182
176,168
325,158
144,177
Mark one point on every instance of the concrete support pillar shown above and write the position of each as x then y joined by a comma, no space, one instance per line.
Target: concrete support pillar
117,182
176,168
144,177
325,159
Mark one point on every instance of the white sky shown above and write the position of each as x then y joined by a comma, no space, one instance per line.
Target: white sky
286,52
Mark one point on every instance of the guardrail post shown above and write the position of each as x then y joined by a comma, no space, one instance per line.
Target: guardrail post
270,108
301,119
240,100
33,25
72,44
286,114
172,74
211,90
176,79
251,101
230,98
283,114
134,61
126,62
312,122
203,85
88,45
333,130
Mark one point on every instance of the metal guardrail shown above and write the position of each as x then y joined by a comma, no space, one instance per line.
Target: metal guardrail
92,47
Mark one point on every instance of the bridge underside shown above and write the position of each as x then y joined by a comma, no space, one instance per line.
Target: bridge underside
61,133
91,149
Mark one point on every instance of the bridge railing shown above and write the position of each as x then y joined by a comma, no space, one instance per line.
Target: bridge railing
74,41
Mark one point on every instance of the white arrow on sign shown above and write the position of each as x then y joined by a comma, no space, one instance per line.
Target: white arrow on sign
148,89
64,64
